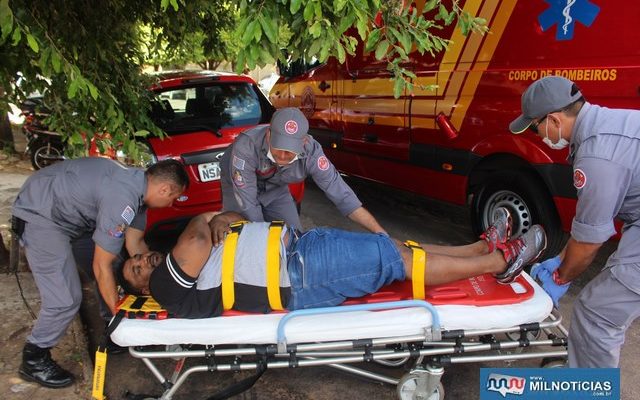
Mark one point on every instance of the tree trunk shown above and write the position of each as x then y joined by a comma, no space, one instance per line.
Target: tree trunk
6,136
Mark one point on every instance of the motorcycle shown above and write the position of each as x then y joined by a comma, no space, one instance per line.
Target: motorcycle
43,146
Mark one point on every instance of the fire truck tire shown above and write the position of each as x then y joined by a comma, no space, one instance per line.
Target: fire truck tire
528,202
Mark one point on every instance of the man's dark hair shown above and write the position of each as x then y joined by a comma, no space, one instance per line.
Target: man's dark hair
169,170
122,282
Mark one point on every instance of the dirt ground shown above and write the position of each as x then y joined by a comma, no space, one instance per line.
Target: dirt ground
71,353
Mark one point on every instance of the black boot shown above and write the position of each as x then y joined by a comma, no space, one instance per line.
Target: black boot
38,366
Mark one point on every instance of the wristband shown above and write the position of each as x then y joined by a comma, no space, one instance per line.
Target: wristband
557,280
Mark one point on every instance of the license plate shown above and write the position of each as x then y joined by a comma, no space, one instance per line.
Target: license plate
209,171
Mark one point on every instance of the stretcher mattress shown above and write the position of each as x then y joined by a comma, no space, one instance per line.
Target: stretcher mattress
262,329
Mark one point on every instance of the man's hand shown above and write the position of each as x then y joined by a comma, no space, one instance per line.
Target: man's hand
544,274
549,265
219,229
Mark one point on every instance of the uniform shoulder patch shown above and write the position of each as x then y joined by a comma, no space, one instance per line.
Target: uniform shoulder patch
118,231
323,163
238,180
128,214
238,163
579,178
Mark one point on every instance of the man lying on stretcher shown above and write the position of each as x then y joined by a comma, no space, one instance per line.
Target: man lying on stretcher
320,268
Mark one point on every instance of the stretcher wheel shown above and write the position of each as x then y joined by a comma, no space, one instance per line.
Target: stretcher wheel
531,335
553,362
407,386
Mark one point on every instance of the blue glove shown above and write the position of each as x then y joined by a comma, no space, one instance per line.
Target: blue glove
549,265
543,273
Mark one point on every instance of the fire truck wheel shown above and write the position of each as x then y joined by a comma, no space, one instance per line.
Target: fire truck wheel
528,202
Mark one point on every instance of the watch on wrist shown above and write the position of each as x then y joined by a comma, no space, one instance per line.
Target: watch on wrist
557,279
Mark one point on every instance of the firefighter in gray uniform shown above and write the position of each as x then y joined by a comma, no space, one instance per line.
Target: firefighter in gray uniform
605,154
261,162
56,208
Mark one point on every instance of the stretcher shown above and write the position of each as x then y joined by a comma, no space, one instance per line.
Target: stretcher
472,320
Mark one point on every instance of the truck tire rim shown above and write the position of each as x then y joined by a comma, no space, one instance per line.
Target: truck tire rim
518,208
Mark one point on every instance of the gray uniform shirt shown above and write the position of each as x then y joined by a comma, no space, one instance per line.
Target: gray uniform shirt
85,195
257,181
605,149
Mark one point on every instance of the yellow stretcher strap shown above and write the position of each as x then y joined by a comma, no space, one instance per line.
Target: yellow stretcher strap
228,262
99,371
417,269
273,265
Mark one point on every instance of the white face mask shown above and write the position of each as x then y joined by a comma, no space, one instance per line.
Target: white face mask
562,142
270,157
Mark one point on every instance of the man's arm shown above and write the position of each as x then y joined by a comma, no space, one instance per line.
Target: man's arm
366,220
576,258
103,272
194,245
134,241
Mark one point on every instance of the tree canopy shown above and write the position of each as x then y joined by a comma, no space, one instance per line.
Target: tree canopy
87,57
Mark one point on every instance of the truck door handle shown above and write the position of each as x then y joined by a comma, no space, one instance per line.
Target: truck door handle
371,138
324,86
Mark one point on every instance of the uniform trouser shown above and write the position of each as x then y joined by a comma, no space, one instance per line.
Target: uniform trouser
601,316
50,256
277,204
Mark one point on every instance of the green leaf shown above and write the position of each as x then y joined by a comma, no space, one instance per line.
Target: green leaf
164,4
33,43
266,56
257,32
6,20
341,54
346,22
294,7
316,30
73,88
269,28
141,133
362,28
372,40
17,35
324,53
249,33
308,11
174,4
429,5
338,5
382,49
398,87
55,61
318,9
315,47
405,40
442,12
93,90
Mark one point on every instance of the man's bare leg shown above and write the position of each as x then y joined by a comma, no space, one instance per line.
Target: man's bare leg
443,268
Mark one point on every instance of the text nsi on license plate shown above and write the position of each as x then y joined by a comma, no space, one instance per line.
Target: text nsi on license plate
209,171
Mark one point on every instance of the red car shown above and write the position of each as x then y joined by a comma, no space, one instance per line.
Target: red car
202,112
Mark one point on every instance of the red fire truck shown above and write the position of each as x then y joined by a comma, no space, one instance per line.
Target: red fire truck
453,143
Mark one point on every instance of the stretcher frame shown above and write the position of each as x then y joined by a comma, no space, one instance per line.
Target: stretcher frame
425,355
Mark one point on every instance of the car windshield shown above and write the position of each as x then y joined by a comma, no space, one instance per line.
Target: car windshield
206,107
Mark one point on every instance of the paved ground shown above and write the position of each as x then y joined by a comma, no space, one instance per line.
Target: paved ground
404,216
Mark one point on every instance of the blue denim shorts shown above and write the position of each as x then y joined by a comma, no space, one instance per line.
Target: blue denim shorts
326,266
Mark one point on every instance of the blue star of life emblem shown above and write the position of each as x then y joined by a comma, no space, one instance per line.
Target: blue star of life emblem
565,13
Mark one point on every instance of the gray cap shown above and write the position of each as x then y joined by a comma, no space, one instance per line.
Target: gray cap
544,96
289,128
